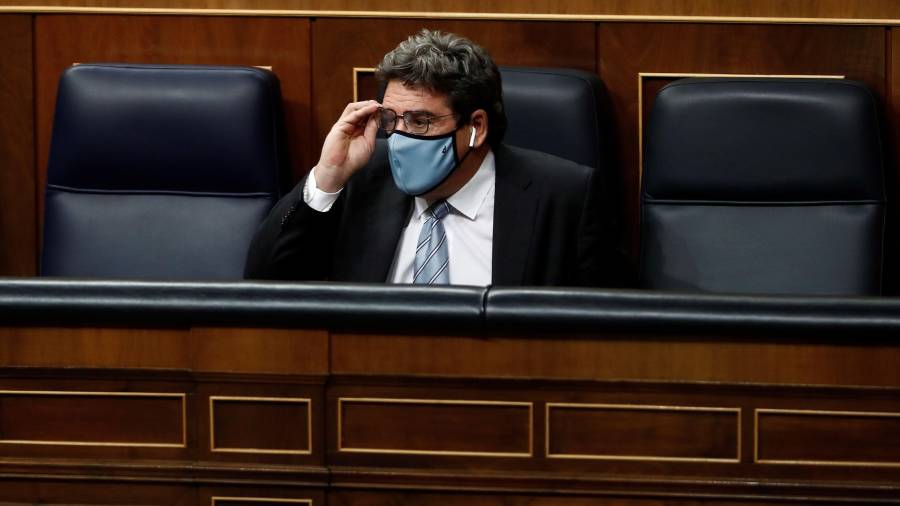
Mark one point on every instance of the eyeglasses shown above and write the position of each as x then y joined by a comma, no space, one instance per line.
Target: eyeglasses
417,122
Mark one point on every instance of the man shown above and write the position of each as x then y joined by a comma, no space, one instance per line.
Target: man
443,200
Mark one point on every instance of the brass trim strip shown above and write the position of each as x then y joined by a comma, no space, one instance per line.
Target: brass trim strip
639,407
225,398
681,75
59,393
356,72
815,412
510,16
373,400
261,499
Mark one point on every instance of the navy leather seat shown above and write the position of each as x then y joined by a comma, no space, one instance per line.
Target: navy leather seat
557,111
763,186
160,171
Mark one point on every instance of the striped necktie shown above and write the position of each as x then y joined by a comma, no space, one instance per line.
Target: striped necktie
432,257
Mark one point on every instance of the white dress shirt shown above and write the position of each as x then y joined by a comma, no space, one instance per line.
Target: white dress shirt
469,227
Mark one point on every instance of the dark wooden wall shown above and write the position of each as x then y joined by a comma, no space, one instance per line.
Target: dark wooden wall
314,58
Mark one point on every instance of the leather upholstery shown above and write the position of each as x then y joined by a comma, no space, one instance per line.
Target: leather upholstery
557,111
444,310
160,171
763,186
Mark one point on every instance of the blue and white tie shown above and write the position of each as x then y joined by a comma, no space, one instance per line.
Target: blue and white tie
432,257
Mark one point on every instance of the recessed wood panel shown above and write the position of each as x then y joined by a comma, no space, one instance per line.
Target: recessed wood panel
827,437
627,49
261,425
92,418
253,501
339,45
435,427
650,433
282,43
18,218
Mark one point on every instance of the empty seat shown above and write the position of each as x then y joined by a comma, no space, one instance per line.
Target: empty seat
763,186
160,171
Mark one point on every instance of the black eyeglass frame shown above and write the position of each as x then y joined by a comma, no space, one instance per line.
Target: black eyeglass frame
408,120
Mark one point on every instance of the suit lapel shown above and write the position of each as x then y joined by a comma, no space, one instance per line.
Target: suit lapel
515,206
383,225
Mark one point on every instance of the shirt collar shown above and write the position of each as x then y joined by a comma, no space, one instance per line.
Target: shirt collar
469,199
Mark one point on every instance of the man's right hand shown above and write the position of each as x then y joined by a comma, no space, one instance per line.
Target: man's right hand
348,146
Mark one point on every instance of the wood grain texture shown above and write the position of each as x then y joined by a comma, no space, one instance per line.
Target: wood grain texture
637,432
619,357
18,225
339,45
848,438
282,43
758,8
271,351
435,427
627,49
261,425
94,419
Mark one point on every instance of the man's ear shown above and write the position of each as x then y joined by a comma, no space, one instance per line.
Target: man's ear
479,121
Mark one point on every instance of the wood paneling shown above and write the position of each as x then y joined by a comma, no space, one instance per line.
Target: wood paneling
339,45
18,254
823,437
273,351
92,419
649,433
435,427
758,8
261,425
617,357
282,43
627,49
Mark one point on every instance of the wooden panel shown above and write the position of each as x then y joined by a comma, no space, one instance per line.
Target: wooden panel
18,218
285,351
201,349
261,425
282,43
627,49
828,437
620,357
435,427
263,501
757,8
93,419
510,43
650,433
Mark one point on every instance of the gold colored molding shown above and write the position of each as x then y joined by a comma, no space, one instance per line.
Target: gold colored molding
640,407
280,400
681,75
442,402
356,72
505,16
262,499
814,412
63,393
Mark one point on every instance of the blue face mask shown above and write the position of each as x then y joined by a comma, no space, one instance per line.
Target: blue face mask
419,163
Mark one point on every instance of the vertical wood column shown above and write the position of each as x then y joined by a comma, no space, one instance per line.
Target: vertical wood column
18,218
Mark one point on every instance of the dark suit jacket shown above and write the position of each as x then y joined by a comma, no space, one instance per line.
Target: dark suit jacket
548,227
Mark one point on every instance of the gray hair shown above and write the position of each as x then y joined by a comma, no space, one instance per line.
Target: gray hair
452,65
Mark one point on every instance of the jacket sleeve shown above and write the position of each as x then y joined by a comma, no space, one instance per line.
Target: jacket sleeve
294,242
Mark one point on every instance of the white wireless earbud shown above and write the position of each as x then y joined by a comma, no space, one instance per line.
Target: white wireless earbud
472,139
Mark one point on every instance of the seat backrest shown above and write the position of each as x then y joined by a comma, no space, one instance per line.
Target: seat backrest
557,111
160,171
763,186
